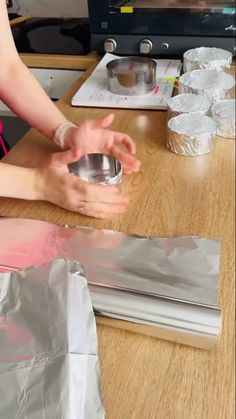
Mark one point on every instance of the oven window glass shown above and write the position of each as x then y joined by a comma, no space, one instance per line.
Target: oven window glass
150,6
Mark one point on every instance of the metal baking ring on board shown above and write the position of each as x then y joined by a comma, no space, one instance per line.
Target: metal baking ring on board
97,168
131,76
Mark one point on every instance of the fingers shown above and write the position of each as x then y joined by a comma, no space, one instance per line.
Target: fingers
107,121
101,194
125,140
129,163
100,210
65,157
94,200
101,122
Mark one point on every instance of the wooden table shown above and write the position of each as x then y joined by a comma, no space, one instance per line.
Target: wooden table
143,377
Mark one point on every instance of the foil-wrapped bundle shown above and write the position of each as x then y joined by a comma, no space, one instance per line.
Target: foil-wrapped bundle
224,114
207,58
191,134
166,286
186,103
217,85
48,350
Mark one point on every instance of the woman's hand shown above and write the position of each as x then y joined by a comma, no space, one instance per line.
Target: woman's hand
55,184
93,136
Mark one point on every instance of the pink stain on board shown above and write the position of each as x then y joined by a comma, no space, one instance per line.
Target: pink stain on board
155,91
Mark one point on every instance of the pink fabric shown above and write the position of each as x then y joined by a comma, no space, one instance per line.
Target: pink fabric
2,143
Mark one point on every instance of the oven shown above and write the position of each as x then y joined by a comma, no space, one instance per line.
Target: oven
161,27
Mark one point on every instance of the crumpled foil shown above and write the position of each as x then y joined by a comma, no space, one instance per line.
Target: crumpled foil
186,103
167,284
191,134
207,58
224,114
217,85
48,351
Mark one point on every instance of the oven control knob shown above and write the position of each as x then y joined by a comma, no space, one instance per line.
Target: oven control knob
110,45
145,46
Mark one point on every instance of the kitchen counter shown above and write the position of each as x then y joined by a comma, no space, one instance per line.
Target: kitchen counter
144,377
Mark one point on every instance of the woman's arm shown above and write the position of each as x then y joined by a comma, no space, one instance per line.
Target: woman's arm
53,183
19,89
24,95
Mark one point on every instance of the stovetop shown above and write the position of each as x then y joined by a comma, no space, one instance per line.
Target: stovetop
53,36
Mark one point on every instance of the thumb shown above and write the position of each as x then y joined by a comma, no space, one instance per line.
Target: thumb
65,157
104,122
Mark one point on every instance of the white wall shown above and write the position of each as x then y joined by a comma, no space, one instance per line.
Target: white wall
51,8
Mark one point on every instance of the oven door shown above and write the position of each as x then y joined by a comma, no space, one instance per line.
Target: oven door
185,18
170,17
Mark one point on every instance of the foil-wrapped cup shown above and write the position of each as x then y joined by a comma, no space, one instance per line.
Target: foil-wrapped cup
191,134
224,114
217,85
97,168
207,58
186,103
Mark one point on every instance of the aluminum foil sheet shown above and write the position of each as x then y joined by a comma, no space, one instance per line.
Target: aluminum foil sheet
217,85
181,273
191,134
48,351
224,114
188,102
207,58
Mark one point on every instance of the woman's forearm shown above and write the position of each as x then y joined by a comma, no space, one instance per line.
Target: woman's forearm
18,182
24,95
19,89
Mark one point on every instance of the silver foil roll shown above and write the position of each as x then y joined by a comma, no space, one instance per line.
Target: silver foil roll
48,351
207,58
217,85
191,134
170,316
186,103
167,285
224,114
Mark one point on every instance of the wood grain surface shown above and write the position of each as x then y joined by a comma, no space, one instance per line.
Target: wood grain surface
143,377
71,62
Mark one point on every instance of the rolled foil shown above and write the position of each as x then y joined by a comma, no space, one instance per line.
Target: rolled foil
191,134
207,58
167,285
186,103
217,85
48,351
224,114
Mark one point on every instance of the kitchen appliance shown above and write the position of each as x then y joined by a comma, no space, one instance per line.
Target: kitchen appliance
53,36
166,27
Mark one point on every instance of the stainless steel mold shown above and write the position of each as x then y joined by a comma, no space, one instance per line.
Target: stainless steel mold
131,76
97,168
